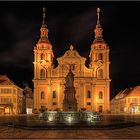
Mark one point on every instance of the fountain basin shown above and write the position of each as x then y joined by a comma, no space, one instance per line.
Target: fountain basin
69,117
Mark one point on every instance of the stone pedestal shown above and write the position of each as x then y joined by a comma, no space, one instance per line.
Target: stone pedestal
69,102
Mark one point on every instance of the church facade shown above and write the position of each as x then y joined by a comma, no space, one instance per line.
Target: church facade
92,84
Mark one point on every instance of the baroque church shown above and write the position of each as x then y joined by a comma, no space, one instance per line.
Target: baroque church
92,84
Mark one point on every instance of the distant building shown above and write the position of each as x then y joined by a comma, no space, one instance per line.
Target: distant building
127,101
92,83
27,100
10,96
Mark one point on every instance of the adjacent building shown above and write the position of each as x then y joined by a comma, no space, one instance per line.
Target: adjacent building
27,100
10,96
127,101
92,83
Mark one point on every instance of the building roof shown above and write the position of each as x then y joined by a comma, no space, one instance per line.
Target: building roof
4,80
128,92
135,91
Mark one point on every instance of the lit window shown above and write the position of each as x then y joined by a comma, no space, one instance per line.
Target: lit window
42,73
29,110
88,94
6,90
54,94
42,95
100,95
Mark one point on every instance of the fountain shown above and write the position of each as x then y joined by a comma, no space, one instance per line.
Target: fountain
70,113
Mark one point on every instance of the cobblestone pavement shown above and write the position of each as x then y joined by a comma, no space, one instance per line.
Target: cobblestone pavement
123,133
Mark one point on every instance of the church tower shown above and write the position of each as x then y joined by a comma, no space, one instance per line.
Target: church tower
99,64
91,85
43,64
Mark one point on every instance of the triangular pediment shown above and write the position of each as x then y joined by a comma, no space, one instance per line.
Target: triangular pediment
71,54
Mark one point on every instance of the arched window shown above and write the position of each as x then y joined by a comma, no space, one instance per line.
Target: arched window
100,56
100,95
42,56
100,73
54,94
88,94
42,73
42,96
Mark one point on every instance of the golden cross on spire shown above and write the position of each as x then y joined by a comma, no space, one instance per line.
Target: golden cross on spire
98,15
44,10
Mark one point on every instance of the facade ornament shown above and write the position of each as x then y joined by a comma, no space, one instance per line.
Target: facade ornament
71,47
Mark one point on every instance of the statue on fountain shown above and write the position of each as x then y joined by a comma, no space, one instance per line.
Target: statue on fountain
69,102
69,79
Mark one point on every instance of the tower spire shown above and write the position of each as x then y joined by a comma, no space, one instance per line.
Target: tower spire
44,29
44,15
98,29
98,16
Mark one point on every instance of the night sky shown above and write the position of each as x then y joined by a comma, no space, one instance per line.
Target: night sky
71,23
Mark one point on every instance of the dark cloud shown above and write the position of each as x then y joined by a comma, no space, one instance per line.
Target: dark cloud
20,52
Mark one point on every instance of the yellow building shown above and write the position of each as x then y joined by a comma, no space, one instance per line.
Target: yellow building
10,96
127,101
92,83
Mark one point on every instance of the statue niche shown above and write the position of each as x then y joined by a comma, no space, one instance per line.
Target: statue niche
69,101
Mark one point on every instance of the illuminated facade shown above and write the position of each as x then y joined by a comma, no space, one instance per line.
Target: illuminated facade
127,101
10,96
92,84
